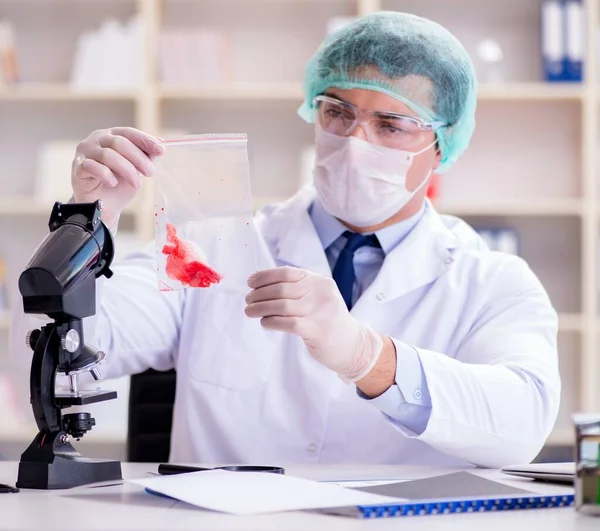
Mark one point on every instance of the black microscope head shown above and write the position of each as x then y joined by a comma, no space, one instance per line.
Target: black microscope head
59,280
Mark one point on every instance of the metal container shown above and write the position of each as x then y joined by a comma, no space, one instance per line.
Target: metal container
587,463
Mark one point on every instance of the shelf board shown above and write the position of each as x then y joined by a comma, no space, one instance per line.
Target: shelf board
25,434
265,91
570,322
516,207
533,207
59,92
24,206
262,201
561,437
28,206
293,92
531,91
242,91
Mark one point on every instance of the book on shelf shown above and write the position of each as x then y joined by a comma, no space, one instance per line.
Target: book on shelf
53,173
505,240
9,65
563,40
193,57
110,57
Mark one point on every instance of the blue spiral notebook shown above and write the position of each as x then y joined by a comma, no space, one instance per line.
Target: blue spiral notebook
460,492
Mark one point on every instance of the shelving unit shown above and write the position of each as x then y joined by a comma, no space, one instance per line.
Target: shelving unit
514,207
25,206
532,163
59,92
530,92
267,92
571,322
238,92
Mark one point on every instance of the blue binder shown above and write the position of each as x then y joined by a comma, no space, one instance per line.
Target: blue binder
563,40
554,40
458,492
456,505
574,19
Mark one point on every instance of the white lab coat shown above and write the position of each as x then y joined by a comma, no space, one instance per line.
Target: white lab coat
481,321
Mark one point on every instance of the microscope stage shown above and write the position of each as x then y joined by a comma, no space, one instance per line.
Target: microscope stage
83,398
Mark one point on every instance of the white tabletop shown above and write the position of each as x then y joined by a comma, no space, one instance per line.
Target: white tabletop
127,506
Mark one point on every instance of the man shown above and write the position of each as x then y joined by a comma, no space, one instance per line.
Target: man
376,331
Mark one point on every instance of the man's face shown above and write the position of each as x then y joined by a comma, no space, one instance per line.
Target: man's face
369,100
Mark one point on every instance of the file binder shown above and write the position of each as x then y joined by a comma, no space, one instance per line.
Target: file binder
459,492
554,40
456,505
575,40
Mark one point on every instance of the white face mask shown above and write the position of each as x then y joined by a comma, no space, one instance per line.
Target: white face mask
359,182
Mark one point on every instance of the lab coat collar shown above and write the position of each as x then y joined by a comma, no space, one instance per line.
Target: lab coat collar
419,259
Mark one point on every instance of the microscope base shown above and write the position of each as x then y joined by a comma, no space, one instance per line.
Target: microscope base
59,466
67,473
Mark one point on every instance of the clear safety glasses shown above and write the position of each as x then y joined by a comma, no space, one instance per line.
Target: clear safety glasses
396,131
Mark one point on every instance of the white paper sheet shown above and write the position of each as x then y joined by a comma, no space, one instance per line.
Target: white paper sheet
245,493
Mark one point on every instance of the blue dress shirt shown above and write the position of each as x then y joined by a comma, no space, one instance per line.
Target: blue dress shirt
407,404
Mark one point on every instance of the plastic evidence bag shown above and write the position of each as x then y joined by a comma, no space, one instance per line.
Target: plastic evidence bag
203,213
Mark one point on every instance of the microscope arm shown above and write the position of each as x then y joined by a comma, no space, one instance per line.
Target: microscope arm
45,342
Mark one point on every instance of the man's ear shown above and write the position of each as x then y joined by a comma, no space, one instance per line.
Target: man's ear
438,157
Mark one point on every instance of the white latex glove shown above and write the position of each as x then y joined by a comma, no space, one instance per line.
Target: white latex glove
299,302
109,165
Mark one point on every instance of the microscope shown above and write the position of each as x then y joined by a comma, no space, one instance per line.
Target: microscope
60,282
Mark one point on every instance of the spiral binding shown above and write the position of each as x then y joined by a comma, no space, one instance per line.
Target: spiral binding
465,506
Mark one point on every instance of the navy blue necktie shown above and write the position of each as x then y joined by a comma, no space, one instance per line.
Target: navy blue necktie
343,272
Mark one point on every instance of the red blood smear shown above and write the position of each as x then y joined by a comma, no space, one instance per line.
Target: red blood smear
184,266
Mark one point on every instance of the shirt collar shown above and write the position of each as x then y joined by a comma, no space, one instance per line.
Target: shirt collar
390,237
329,228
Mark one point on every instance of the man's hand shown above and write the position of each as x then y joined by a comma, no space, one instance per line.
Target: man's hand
109,165
299,302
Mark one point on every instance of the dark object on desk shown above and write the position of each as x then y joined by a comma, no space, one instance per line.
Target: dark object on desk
562,473
151,399
587,463
60,282
168,469
455,485
7,489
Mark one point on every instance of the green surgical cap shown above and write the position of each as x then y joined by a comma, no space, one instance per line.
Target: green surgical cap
409,58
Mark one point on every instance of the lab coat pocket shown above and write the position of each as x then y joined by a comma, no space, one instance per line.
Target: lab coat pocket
232,351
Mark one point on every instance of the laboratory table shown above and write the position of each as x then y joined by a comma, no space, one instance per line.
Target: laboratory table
127,506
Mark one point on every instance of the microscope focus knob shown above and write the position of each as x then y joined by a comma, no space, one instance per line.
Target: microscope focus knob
32,337
70,341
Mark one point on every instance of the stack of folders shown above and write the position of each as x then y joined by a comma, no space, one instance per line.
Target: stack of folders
9,67
563,40
246,493
449,506
194,57
471,494
109,57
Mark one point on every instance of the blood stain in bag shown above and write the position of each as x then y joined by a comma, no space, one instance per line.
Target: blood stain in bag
184,265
